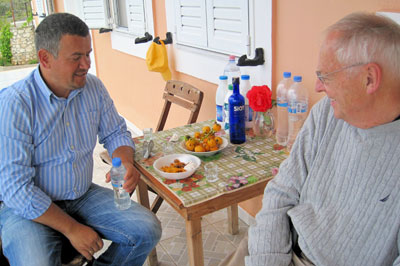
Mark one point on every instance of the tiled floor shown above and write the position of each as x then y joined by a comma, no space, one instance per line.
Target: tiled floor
172,250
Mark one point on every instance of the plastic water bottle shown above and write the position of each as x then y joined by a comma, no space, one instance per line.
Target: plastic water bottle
231,70
248,112
297,109
122,199
226,107
220,98
237,133
282,127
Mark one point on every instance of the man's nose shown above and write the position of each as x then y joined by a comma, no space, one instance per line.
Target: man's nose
85,62
319,86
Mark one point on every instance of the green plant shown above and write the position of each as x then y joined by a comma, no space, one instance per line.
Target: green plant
33,61
5,43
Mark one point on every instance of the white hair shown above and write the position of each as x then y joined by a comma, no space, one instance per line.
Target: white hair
366,38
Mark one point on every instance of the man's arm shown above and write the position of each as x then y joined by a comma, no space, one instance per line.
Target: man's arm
83,238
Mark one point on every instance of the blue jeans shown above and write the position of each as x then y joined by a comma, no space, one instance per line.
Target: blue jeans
134,232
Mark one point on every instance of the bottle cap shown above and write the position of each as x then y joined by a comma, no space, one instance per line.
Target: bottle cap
116,162
223,77
235,80
245,77
231,58
287,74
230,87
297,78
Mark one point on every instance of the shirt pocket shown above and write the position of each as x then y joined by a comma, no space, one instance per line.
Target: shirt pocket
88,124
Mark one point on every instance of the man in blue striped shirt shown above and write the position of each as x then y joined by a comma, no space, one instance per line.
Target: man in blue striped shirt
49,124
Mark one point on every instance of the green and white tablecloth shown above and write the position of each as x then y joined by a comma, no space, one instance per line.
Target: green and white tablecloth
257,159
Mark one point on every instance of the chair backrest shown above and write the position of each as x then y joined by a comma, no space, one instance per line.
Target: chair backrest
184,95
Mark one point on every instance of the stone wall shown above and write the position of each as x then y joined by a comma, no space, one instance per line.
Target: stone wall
23,45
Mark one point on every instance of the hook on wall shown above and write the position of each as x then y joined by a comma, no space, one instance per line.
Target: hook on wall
103,30
258,59
147,37
168,39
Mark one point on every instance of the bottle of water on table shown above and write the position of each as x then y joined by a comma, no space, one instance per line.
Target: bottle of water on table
282,130
231,70
122,198
297,109
220,98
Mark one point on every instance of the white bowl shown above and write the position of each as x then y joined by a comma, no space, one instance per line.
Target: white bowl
168,159
206,153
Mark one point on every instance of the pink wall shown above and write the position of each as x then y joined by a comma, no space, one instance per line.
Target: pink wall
297,31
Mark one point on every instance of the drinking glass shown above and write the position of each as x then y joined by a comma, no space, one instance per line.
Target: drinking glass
168,148
211,172
148,134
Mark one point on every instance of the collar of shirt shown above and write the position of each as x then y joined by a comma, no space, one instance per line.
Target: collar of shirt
46,90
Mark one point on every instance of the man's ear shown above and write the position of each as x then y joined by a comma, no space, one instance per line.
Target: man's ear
373,79
44,58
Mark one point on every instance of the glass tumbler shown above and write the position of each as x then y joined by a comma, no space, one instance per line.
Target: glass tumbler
211,172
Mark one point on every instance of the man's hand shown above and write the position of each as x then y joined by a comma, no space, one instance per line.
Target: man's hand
85,240
131,178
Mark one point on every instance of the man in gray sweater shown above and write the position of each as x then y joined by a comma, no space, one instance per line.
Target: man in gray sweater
338,193
336,199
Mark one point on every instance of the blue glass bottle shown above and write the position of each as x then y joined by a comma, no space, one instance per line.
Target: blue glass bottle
237,123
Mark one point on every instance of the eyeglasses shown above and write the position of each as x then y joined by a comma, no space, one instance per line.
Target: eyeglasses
322,77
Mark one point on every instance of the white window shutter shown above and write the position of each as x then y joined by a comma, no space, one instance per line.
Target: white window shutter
136,17
228,25
190,21
96,13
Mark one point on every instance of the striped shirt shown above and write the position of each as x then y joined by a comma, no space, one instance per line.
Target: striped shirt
47,142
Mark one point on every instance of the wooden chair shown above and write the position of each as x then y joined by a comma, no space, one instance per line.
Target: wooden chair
181,94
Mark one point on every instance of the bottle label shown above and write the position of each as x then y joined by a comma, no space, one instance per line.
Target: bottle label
220,113
226,109
117,185
297,107
282,104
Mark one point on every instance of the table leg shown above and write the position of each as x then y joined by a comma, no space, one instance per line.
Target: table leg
233,219
194,242
142,194
143,199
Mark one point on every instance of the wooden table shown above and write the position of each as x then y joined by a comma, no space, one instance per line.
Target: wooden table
256,163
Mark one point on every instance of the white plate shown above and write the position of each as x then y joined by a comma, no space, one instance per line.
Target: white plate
206,153
168,159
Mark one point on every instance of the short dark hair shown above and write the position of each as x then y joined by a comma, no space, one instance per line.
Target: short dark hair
50,30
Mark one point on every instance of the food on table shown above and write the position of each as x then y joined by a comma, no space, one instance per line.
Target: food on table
175,167
204,141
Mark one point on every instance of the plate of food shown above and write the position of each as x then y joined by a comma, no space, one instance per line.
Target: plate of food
204,143
176,166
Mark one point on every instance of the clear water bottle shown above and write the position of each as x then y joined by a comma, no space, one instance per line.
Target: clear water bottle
226,107
220,98
282,127
231,70
248,112
297,109
237,133
122,199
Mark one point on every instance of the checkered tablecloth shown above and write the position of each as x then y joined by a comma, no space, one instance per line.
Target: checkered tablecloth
239,165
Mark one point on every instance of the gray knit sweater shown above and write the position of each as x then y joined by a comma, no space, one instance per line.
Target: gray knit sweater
340,190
